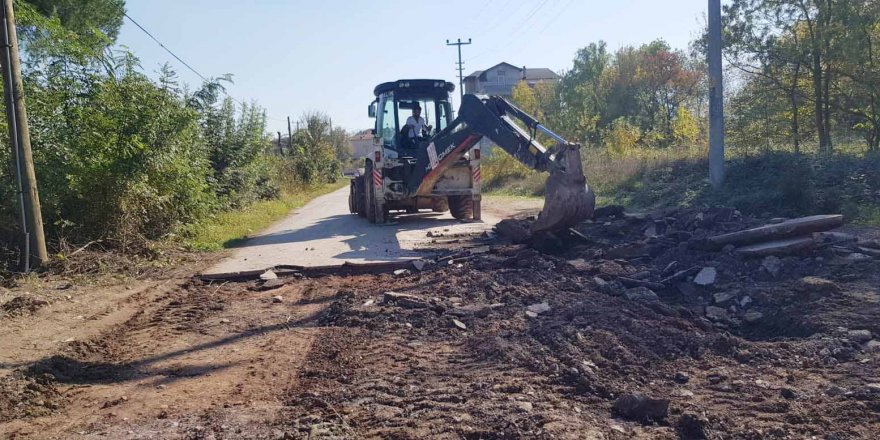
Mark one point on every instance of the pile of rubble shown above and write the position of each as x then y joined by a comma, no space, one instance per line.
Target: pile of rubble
712,260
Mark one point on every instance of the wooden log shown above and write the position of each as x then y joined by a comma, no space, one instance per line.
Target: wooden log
787,229
777,247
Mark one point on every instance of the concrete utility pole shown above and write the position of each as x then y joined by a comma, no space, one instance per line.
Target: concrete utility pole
34,242
716,97
460,43
289,137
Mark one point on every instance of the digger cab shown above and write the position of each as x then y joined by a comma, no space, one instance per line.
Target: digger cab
395,102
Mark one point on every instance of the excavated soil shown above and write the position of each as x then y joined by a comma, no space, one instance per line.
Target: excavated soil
503,342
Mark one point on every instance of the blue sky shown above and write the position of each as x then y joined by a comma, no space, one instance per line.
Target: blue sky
296,56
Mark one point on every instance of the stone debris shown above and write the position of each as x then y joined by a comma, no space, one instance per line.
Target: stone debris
539,308
772,264
277,299
640,294
706,276
860,336
638,407
405,300
458,324
268,275
817,285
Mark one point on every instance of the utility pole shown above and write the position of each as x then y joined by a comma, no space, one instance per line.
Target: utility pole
289,137
280,151
34,242
716,97
460,43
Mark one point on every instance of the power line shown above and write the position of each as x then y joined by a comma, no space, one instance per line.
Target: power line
166,49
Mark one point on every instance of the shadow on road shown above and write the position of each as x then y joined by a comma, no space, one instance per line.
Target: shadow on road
362,239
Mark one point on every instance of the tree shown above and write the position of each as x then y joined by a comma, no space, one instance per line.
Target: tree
59,28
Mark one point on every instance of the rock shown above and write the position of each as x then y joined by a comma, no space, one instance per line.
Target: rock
640,294
268,275
401,272
772,265
857,257
277,299
225,320
717,313
531,314
627,251
817,285
418,265
369,302
753,316
637,406
651,230
692,427
745,301
869,251
860,336
458,324
524,406
681,392
723,297
405,300
541,307
873,346
608,211
706,276
272,284
600,282
788,393
681,377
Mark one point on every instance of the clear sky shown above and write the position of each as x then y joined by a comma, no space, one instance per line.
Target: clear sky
296,56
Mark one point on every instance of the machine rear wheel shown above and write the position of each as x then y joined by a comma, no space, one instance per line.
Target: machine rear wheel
375,211
461,207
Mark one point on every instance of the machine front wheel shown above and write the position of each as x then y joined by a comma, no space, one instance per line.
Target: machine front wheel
461,207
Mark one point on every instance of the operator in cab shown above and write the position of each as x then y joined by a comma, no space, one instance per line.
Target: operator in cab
416,126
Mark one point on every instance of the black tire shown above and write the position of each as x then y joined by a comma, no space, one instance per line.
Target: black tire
368,192
359,196
461,207
439,204
376,212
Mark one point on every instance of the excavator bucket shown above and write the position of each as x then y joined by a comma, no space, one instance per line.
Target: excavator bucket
568,199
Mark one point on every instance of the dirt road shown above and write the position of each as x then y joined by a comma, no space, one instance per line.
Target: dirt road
323,233
506,343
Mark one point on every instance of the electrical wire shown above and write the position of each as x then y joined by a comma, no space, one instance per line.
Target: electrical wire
191,68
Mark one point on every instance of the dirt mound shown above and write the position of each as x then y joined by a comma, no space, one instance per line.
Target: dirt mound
22,306
25,396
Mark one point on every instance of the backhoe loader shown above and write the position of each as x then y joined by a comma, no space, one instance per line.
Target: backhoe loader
440,170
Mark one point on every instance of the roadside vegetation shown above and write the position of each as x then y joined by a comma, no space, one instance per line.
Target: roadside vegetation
802,115
126,162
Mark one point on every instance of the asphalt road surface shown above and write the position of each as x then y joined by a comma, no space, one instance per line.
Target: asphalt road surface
324,233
